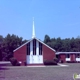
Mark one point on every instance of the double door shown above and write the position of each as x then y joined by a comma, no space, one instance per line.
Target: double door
34,59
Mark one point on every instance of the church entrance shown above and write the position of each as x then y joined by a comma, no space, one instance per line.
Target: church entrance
34,52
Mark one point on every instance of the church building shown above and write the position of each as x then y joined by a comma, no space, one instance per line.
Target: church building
68,56
34,51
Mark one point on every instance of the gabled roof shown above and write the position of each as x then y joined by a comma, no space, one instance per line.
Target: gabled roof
31,40
67,52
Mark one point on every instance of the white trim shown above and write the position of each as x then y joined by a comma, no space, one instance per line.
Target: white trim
22,45
31,48
68,59
31,40
77,59
67,52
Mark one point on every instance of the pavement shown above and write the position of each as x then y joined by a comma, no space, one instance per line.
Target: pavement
63,65
59,65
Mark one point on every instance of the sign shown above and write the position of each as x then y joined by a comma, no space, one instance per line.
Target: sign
76,76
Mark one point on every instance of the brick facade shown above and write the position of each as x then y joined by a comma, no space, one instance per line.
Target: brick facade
73,57
48,54
20,54
63,57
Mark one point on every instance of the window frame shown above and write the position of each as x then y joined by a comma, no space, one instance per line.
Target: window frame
28,48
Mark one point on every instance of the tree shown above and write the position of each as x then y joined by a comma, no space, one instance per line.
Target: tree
63,45
46,39
1,42
58,44
10,43
0,55
66,45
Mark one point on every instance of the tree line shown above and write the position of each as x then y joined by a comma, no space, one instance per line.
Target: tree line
11,42
63,45
8,44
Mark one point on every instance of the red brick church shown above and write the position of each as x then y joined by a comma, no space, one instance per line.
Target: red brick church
36,52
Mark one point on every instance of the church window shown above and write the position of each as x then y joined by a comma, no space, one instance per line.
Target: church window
40,48
34,47
28,49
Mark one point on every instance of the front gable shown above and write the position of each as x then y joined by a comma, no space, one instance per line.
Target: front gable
38,41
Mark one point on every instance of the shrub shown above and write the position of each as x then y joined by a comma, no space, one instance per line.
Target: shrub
14,62
50,62
17,64
71,61
56,60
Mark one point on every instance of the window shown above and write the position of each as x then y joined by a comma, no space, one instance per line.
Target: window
28,49
67,55
57,56
77,55
40,48
34,47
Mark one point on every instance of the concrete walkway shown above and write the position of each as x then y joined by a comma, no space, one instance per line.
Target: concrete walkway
59,65
63,65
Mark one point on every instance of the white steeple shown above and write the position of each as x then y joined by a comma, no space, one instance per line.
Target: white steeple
33,30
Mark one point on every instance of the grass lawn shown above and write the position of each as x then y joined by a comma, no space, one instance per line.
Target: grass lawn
40,73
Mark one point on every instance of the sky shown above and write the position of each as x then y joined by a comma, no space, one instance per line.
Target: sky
56,18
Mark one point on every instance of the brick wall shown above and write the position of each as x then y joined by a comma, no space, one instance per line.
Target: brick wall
48,54
21,54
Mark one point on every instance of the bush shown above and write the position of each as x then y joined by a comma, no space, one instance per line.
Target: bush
56,60
50,62
71,61
17,64
14,62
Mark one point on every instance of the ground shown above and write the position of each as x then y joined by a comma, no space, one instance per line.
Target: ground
40,73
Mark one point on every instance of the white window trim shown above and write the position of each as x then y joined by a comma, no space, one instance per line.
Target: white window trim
68,59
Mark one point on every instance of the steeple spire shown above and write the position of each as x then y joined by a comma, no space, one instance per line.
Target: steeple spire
33,31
